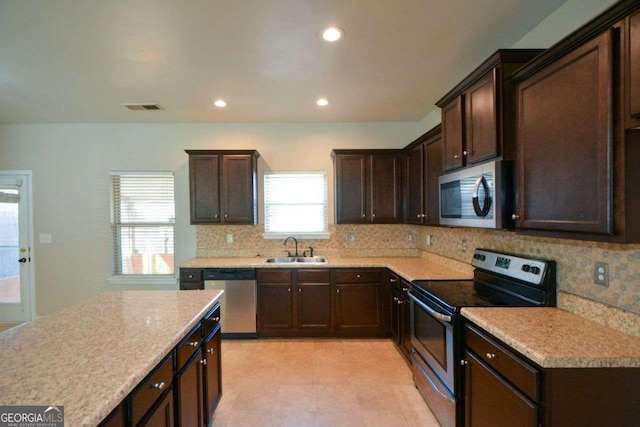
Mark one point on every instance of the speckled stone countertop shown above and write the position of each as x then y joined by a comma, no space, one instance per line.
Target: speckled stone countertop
90,355
555,338
410,268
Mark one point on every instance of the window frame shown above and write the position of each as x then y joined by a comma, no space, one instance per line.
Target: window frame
117,277
319,235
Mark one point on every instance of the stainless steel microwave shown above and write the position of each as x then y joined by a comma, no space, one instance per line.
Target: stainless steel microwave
476,196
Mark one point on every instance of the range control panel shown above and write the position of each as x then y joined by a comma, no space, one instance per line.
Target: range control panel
530,270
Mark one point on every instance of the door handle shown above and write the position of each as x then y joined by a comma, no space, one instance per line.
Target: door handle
22,260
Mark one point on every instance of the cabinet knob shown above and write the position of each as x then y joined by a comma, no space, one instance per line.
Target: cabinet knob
159,386
395,298
337,291
226,216
299,289
363,215
492,356
405,289
203,361
399,302
215,216
373,215
358,276
289,290
466,153
210,350
216,319
193,343
463,362
191,276
456,156
515,216
393,280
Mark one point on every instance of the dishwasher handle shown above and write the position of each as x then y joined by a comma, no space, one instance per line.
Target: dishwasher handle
229,274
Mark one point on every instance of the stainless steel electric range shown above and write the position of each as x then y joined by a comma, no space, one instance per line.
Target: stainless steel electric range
500,279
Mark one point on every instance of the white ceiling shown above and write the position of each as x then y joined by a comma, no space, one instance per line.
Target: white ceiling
70,61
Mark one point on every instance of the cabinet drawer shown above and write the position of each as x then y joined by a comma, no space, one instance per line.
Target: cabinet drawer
314,276
512,367
358,276
150,389
188,346
211,321
274,276
190,275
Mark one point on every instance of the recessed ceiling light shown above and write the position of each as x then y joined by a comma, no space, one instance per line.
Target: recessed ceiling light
322,102
220,103
332,34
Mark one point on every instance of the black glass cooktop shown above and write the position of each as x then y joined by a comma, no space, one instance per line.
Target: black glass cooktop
454,294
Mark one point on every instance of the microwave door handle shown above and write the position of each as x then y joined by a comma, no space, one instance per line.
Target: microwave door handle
430,310
484,210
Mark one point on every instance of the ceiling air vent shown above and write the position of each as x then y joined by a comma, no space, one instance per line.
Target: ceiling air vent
142,107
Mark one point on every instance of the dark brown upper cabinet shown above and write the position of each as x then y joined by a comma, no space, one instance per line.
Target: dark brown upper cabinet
477,115
422,167
576,168
631,54
223,186
367,186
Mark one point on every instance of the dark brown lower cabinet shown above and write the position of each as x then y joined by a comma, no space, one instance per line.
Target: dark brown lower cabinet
163,415
400,315
490,400
294,302
504,388
189,392
358,302
212,377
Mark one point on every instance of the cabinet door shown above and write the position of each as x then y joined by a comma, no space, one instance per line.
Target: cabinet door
433,152
238,189
163,415
414,192
396,316
358,307
481,136
385,188
564,143
212,374
490,400
205,189
351,188
274,306
314,306
633,70
190,393
452,134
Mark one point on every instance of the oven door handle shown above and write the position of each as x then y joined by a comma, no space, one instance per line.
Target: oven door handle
430,310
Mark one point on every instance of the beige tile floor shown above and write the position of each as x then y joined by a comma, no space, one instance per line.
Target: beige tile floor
318,382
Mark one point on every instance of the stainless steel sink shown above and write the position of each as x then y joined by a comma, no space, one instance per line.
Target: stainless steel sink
290,260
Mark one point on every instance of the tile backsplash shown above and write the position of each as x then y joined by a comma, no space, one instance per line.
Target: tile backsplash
575,259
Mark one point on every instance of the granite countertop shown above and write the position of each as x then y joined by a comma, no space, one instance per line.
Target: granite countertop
90,355
410,268
555,338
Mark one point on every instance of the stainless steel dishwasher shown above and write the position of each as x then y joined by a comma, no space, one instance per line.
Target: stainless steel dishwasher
238,302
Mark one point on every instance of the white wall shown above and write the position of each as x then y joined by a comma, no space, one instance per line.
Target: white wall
71,165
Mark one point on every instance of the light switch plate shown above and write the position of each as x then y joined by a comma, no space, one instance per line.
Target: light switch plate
46,239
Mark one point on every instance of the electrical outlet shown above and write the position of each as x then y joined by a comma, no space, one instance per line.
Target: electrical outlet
409,238
601,273
229,238
429,240
464,246
351,238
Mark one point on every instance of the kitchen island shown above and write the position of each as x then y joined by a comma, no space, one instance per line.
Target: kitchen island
89,356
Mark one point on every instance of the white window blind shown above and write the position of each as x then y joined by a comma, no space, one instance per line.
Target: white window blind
142,223
295,203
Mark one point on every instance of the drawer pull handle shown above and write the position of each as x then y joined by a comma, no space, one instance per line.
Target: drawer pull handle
358,276
463,363
393,280
210,350
492,356
191,276
215,319
405,289
203,361
193,343
160,386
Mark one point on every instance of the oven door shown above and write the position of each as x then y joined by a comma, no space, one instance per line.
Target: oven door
432,338
432,355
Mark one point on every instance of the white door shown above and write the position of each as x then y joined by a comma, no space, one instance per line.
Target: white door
16,268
